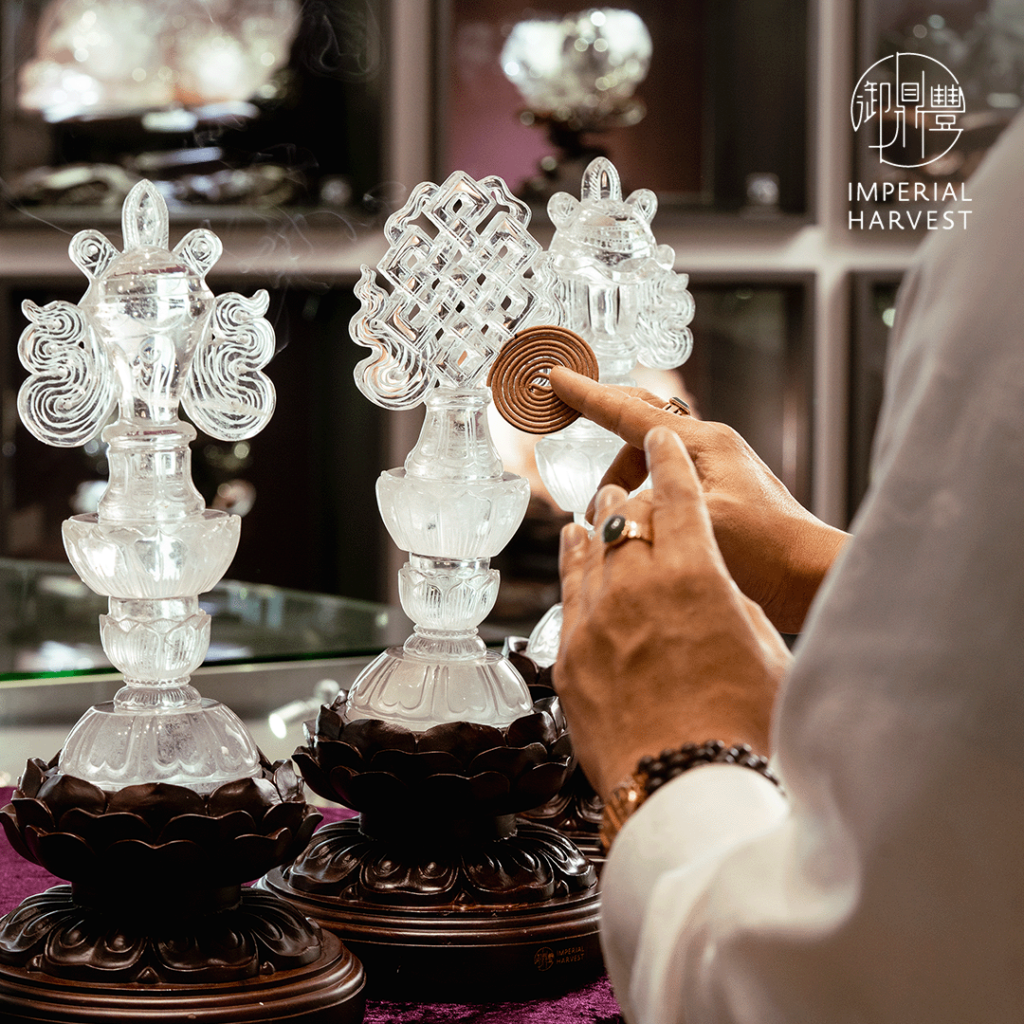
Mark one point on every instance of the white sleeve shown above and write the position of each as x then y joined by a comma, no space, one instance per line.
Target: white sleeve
890,890
695,820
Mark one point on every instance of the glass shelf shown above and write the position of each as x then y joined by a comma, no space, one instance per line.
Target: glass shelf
270,645
49,626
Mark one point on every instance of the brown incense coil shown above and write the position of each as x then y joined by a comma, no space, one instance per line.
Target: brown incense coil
519,377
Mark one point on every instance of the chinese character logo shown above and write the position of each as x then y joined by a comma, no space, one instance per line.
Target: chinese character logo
908,103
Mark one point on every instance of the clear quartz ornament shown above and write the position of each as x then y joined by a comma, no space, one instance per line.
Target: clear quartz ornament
147,336
453,287
612,284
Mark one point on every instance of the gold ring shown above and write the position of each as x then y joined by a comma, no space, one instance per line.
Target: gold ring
677,407
617,529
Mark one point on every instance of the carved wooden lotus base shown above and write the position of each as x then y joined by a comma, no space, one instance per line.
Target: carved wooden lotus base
156,924
513,915
440,887
259,960
576,810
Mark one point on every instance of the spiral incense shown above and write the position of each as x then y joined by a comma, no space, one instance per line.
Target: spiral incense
519,381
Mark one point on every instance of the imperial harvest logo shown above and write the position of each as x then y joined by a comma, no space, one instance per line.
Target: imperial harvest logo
907,105
910,103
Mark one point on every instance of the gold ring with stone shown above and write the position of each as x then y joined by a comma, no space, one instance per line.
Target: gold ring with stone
617,529
677,407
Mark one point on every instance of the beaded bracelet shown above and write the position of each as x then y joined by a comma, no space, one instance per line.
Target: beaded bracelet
653,772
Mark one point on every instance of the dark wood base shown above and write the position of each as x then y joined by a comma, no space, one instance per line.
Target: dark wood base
533,935
329,989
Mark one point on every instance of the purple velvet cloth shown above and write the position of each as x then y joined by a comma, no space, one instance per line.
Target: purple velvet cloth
592,1004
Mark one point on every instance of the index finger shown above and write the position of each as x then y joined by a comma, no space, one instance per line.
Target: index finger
678,508
613,408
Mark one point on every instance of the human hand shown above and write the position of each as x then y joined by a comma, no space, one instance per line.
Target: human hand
777,552
659,647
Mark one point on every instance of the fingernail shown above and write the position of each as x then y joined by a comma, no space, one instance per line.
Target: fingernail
607,496
572,536
657,436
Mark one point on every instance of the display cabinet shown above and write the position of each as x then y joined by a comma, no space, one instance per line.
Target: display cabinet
409,90
706,104
223,106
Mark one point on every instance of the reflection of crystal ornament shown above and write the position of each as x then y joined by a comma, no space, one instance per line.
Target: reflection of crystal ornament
456,287
581,70
111,57
613,284
147,335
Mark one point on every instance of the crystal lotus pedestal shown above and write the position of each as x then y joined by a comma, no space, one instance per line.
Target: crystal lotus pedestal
160,806
439,886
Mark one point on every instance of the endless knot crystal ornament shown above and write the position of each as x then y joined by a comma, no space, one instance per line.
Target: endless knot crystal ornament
457,284
148,335
458,287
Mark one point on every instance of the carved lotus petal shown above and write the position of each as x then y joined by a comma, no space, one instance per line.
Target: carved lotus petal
13,831
328,723
61,853
514,650
553,706
540,784
235,950
398,876
333,862
464,740
315,777
447,792
62,792
519,872
29,811
281,930
32,778
561,749
24,931
331,753
156,802
368,789
287,782
368,735
490,788
305,831
260,853
536,728
283,815
139,861
208,832
509,761
252,795
78,952
101,831
413,768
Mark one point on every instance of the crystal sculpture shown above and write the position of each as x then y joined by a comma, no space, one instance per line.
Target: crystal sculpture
456,286
581,70
147,335
439,886
614,285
